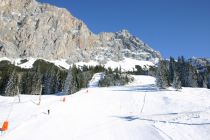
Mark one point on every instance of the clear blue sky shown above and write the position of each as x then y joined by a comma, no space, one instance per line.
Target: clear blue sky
173,27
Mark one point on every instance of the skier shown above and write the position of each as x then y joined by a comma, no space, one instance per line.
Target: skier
48,112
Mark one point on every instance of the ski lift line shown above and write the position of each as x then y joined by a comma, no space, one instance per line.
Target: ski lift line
142,108
35,96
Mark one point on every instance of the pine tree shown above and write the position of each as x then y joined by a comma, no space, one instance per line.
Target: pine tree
19,77
205,81
202,79
171,69
75,84
208,76
120,70
49,81
37,84
11,88
176,81
208,82
162,76
192,80
182,70
57,82
68,82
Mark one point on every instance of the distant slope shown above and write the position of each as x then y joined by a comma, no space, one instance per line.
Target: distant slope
127,64
95,80
111,114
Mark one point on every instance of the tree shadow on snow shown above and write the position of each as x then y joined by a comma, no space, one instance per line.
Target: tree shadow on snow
133,118
143,88
138,89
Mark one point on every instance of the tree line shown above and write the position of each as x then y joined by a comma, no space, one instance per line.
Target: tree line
181,73
45,78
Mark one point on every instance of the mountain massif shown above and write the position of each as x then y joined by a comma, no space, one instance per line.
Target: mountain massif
32,29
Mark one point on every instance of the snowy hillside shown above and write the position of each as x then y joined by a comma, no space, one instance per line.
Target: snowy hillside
95,80
132,112
127,64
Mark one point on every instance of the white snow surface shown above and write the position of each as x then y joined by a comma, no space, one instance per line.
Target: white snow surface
95,80
137,111
60,63
127,64
30,62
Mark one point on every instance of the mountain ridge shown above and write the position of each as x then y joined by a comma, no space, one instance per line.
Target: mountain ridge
31,29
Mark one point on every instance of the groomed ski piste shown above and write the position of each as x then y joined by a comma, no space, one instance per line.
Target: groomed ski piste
137,111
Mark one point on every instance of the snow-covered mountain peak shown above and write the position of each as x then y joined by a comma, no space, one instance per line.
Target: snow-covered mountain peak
124,33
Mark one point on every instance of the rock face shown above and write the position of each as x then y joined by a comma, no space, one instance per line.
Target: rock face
31,29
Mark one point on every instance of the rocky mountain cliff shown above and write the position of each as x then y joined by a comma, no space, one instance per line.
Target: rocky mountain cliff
32,29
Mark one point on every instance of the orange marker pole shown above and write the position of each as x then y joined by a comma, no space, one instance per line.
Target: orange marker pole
5,126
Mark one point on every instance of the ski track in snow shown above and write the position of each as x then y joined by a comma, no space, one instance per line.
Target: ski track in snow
136,111
164,133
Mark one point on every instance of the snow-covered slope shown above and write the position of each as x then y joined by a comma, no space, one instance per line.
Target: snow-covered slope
132,112
127,64
95,80
28,62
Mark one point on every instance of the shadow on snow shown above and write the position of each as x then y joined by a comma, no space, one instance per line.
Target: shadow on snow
142,88
133,118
